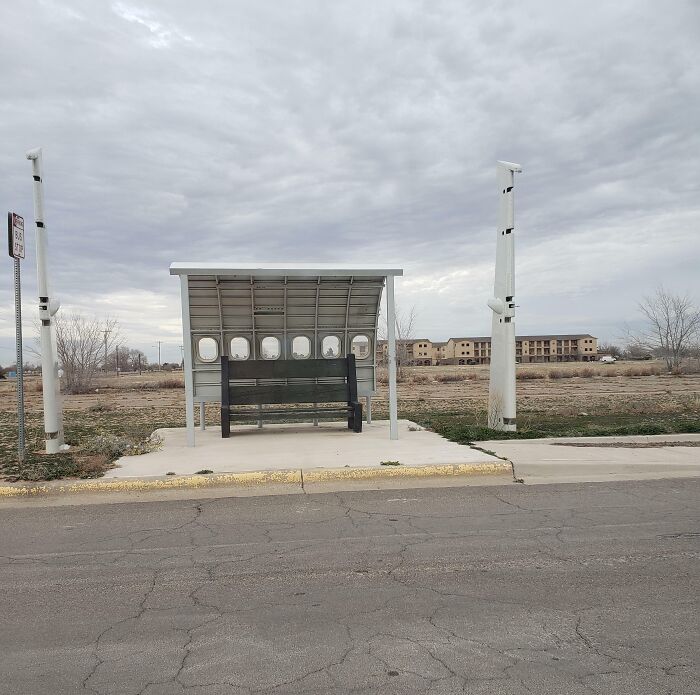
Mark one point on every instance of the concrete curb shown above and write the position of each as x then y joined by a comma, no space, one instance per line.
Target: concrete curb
249,479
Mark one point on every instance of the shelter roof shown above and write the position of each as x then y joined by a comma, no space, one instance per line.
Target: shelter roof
281,269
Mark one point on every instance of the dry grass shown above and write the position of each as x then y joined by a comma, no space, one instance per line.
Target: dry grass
450,377
529,374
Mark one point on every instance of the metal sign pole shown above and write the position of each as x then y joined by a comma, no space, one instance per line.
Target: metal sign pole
20,362
15,239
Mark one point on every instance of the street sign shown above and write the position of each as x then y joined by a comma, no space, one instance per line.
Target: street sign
15,235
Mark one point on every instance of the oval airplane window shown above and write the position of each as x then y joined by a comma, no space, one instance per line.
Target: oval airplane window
240,348
270,348
360,347
330,346
207,349
301,347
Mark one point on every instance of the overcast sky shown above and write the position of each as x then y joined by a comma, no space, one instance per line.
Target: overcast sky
355,132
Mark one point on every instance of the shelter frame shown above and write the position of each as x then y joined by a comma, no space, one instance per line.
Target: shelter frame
257,302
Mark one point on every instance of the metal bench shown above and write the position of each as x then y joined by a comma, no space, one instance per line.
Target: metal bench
282,382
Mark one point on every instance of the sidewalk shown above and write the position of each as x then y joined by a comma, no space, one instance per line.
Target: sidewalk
600,459
283,459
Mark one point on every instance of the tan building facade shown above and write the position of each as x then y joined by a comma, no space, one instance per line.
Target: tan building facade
477,350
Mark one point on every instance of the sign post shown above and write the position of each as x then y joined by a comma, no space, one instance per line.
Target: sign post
15,238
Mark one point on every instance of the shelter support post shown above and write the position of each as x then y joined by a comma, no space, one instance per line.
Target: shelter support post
368,400
202,417
391,337
187,345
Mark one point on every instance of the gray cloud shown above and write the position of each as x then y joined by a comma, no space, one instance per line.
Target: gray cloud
357,131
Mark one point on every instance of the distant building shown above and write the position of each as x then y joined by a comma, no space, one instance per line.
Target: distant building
579,347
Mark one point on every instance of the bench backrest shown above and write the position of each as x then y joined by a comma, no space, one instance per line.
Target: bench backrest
343,388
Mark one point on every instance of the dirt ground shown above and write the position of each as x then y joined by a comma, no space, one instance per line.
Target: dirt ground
609,390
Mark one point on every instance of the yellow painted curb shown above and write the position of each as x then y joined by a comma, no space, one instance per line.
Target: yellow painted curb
254,478
141,485
322,475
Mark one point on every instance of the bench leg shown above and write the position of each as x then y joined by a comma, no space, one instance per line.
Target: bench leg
357,417
225,423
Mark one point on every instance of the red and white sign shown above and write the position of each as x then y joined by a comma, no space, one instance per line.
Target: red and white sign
15,232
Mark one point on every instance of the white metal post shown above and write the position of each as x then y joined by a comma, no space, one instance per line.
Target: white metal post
48,306
202,417
368,401
391,337
19,362
187,351
501,414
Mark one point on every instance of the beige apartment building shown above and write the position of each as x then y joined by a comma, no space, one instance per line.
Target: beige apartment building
477,350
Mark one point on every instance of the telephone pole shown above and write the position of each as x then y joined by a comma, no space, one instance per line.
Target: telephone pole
158,346
106,334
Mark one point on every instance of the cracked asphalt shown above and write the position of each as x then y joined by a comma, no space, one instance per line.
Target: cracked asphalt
579,588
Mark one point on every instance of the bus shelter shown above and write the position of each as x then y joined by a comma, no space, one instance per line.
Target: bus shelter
277,311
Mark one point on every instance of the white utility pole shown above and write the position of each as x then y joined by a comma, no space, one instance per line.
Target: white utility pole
48,306
501,415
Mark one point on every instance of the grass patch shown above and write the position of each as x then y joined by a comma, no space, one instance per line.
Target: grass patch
96,442
470,428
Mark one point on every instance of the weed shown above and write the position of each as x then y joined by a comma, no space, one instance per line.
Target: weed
389,463
204,471
99,408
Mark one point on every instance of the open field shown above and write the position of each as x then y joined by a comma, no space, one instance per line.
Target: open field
602,399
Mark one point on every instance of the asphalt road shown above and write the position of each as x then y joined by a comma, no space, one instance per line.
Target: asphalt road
566,589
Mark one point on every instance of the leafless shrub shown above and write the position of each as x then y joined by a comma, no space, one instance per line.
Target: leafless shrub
420,379
610,371
171,384
587,372
555,374
80,343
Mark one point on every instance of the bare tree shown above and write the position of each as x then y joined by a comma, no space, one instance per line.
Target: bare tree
127,359
673,326
609,349
404,328
80,343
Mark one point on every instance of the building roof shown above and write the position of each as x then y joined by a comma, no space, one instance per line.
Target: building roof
573,336
407,341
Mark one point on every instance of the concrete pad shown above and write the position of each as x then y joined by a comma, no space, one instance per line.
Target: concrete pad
306,448
551,460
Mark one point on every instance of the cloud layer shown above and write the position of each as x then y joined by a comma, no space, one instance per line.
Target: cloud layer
356,132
